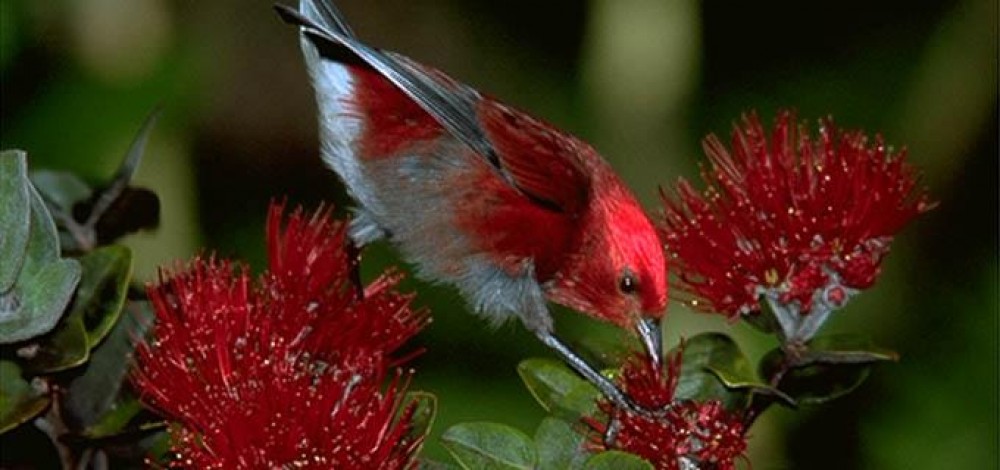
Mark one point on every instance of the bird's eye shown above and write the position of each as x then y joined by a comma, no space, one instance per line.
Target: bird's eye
628,284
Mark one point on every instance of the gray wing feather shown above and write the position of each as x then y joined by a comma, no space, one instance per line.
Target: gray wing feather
453,109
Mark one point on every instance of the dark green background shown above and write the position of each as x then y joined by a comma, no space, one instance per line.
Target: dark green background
643,80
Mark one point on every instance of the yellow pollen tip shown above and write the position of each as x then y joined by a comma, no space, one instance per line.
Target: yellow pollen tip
771,277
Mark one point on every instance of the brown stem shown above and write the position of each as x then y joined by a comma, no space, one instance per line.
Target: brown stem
793,351
53,425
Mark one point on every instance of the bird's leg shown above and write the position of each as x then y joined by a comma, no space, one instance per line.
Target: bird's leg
606,387
649,333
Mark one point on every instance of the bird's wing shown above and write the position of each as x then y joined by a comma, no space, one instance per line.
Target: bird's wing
530,155
453,109
544,163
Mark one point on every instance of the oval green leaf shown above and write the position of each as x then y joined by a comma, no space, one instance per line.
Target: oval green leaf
489,446
63,348
815,382
44,285
723,358
845,349
427,464
14,218
41,295
617,460
559,446
714,368
19,401
102,291
559,390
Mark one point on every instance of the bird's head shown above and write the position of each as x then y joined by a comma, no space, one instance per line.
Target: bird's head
619,272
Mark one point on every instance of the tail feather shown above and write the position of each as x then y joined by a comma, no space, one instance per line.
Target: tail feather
323,18
327,15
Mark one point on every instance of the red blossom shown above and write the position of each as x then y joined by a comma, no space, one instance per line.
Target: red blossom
284,372
788,214
690,434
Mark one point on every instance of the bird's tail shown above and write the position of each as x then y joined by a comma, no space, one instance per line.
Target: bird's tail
327,15
319,15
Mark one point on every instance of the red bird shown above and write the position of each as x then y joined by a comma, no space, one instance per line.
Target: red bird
479,195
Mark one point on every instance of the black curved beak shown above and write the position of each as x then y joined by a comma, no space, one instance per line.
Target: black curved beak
652,340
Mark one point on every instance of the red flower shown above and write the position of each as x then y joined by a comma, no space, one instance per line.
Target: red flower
285,372
690,434
805,223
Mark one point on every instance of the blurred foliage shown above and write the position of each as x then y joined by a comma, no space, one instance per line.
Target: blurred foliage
643,80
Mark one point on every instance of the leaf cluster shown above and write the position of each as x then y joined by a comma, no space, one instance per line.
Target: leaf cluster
68,315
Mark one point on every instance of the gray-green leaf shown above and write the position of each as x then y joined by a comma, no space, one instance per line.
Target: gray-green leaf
559,390
482,446
616,460
559,446
60,189
44,285
14,218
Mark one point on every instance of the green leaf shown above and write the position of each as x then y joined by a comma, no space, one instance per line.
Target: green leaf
607,351
94,392
830,368
136,436
845,349
41,301
724,358
424,406
61,190
157,446
427,464
102,291
114,421
43,242
19,401
118,209
14,218
45,284
489,446
126,170
63,348
617,460
559,390
763,320
703,356
559,446
726,361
